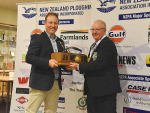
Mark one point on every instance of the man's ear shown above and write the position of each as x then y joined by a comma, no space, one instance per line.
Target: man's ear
105,30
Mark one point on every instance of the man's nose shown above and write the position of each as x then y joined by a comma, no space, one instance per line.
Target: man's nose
53,24
94,31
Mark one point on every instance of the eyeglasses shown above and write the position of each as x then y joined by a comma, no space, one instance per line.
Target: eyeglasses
96,29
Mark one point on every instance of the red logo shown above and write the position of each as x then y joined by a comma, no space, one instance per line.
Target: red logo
23,80
117,33
22,100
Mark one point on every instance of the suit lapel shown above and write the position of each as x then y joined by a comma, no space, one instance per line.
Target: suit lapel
47,40
95,50
60,49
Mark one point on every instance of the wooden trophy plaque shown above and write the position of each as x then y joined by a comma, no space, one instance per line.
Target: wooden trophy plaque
65,58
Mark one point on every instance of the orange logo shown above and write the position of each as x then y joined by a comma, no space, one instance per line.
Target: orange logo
117,34
36,31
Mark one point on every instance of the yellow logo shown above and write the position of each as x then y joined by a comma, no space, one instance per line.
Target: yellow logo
77,59
148,61
23,58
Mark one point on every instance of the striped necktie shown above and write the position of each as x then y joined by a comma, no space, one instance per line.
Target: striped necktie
91,51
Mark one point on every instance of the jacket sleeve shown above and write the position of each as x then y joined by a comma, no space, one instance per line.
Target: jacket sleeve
33,53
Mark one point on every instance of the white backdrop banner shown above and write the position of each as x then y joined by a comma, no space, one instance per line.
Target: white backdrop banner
74,18
128,27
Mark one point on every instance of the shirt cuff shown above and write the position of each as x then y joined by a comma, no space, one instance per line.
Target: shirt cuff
78,67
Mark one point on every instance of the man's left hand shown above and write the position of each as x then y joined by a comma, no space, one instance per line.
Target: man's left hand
69,68
74,65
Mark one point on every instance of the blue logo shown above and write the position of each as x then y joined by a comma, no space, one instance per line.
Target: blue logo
104,4
61,100
127,100
21,107
29,13
61,21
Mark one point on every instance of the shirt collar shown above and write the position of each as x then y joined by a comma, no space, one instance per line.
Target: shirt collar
51,36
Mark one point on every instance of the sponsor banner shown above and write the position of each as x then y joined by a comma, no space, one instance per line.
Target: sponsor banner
134,77
134,16
132,110
61,21
128,27
137,102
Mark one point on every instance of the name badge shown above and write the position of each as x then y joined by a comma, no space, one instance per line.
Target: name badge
94,56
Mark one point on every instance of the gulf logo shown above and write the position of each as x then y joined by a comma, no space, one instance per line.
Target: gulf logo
117,34
36,31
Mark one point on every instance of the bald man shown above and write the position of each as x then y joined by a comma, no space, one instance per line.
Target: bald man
101,73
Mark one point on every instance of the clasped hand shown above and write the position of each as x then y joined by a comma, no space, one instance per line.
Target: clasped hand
53,63
72,66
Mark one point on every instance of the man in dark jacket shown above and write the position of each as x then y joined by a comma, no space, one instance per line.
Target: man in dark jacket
101,74
45,76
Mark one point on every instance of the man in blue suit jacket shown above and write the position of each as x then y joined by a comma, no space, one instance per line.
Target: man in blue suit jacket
45,76
101,74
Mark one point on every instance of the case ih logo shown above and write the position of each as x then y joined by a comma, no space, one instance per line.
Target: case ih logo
23,80
22,100
117,33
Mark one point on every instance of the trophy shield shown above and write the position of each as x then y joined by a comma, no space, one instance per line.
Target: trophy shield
66,56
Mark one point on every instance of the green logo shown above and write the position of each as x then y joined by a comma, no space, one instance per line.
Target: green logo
82,103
